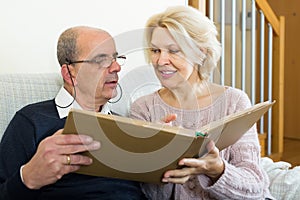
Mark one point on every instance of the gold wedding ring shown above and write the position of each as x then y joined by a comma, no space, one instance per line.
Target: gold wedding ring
68,160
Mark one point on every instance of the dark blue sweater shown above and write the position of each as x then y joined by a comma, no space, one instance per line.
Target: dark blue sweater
28,127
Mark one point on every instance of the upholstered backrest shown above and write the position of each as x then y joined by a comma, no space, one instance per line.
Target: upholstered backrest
18,90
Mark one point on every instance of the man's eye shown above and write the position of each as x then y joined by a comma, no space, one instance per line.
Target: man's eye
100,60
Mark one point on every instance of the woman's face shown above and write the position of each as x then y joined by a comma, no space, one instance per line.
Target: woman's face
170,64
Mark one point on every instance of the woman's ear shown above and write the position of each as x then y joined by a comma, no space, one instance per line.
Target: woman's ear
67,72
204,50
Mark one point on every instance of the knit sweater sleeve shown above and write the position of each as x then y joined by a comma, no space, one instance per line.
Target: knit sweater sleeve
29,126
243,177
140,109
14,153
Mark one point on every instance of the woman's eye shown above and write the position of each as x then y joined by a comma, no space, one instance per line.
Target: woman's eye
155,50
174,51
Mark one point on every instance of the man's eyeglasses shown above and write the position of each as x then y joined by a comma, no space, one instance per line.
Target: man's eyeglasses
103,61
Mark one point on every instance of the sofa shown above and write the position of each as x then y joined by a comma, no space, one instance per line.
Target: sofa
17,90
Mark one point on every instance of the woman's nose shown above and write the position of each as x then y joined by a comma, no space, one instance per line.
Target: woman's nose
163,58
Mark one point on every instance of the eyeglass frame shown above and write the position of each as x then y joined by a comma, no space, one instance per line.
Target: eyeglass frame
94,61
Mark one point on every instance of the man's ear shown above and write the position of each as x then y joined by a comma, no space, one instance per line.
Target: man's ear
67,72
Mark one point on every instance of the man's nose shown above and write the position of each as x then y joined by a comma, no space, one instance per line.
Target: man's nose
114,67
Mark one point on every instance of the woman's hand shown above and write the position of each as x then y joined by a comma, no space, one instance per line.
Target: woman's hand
169,118
211,165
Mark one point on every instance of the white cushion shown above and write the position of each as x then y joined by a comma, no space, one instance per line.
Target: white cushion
284,180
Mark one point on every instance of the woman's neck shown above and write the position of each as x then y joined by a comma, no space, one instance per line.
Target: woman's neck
192,98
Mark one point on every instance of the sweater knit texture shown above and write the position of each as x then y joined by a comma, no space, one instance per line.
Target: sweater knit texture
243,178
29,126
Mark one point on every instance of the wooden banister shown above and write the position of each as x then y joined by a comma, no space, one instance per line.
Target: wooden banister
278,90
278,27
270,16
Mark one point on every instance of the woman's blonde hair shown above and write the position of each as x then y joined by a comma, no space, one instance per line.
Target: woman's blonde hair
193,32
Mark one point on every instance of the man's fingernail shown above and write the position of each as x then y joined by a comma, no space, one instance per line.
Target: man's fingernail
96,145
86,138
165,180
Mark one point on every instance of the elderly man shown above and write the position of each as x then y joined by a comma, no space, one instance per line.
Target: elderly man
36,160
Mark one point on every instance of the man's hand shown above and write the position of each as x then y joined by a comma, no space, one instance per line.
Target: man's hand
57,155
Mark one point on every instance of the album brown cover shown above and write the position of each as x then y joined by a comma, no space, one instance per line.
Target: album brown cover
142,151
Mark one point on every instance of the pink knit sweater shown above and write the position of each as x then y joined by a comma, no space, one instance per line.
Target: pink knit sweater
243,177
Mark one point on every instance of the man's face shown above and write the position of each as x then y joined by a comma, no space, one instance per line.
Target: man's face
96,82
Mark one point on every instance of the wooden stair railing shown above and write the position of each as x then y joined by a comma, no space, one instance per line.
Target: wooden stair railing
278,27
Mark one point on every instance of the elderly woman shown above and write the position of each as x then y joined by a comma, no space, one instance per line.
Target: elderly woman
183,48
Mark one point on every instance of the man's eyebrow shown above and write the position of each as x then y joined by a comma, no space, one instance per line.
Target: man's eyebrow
105,55
101,56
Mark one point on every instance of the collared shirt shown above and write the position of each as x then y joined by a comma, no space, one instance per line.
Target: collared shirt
63,98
